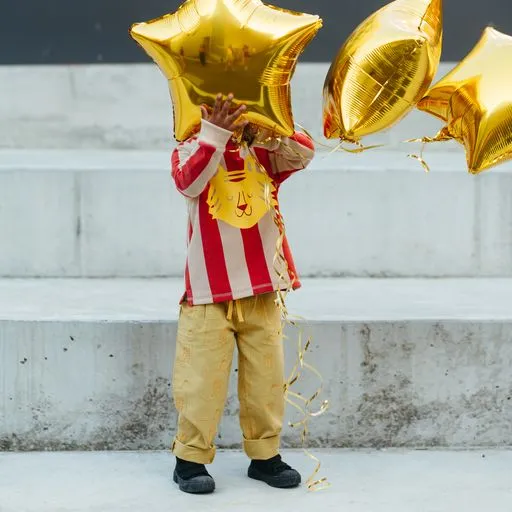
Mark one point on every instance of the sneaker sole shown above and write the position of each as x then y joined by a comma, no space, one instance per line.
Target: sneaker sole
198,485
290,481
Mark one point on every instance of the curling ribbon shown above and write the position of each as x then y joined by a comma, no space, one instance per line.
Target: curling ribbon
300,403
442,136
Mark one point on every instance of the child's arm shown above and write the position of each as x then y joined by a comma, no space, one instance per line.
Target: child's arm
290,154
196,161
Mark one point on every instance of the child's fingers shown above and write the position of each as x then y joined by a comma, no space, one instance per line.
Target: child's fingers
227,106
218,105
236,114
204,112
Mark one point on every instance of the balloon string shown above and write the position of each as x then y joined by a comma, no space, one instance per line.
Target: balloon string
442,136
285,282
419,157
359,149
313,483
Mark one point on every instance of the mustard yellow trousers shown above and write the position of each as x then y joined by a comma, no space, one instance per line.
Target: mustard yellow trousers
206,340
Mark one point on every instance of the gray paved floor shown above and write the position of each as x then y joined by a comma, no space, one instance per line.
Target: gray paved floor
392,481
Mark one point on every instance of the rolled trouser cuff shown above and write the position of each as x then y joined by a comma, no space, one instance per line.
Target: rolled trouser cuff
262,449
182,451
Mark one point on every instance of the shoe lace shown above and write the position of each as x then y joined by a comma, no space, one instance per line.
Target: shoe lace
276,465
189,470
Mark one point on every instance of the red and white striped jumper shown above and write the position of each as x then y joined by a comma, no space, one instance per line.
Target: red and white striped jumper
226,263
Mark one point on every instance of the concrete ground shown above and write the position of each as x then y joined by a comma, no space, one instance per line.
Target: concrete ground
385,481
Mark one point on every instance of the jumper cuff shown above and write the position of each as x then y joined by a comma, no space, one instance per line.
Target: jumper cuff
213,135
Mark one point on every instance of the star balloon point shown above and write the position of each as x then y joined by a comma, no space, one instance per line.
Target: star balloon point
475,103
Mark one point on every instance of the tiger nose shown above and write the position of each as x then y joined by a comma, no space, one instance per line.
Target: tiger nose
242,207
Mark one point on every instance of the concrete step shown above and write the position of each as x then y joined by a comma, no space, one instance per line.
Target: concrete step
127,106
86,364
391,481
116,214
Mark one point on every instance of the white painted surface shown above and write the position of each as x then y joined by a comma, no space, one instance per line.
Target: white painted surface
88,364
392,481
128,107
117,214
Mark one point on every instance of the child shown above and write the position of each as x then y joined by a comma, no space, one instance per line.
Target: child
230,295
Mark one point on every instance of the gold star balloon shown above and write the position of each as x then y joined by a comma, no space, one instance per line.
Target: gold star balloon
220,46
475,101
383,69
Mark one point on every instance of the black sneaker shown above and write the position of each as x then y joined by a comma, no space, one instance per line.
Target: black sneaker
275,473
193,478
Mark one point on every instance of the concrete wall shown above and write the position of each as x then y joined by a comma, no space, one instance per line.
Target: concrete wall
128,107
82,209
75,202
106,385
93,214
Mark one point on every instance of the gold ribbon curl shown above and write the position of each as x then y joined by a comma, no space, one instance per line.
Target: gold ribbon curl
442,136
285,282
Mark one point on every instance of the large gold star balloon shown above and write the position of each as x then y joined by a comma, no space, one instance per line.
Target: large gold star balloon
220,46
475,101
383,69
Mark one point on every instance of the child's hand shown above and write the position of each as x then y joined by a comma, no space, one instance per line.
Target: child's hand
221,115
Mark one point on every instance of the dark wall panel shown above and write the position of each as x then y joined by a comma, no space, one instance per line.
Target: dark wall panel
67,31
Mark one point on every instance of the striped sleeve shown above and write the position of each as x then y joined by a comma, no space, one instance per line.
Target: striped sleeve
195,161
293,154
